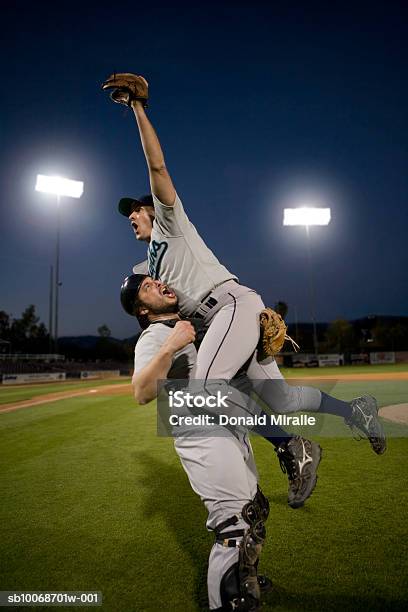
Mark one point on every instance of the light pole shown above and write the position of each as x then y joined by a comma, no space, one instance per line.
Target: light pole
308,216
58,186
50,308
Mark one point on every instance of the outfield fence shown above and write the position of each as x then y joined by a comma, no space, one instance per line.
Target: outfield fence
22,379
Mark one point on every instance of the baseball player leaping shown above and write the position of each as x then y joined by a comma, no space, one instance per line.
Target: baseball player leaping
178,256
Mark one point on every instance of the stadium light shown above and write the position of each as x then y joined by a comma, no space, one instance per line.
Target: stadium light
308,216
58,186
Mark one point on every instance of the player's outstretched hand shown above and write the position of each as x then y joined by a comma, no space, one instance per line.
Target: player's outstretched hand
127,88
183,333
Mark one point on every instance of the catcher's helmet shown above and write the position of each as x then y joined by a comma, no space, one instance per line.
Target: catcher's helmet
128,297
126,205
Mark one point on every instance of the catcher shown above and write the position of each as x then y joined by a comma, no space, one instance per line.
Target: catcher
220,465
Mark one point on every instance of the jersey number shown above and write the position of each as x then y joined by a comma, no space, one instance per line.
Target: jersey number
155,255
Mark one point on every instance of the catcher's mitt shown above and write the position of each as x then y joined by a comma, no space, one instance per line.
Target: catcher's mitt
273,334
127,87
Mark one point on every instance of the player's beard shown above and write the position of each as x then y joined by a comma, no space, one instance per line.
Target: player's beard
164,309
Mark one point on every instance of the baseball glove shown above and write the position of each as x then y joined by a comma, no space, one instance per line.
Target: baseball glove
273,334
127,87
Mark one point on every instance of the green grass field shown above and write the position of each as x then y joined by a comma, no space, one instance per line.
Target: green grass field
92,499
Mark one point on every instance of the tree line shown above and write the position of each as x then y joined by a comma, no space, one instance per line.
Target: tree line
27,334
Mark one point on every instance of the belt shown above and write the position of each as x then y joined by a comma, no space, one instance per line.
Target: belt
216,287
210,302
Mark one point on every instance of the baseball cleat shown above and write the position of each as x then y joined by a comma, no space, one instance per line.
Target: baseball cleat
299,458
364,419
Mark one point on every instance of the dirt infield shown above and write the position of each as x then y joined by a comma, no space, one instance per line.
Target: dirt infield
398,413
125,389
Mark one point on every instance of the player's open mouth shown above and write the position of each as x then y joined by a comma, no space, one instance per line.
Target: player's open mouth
134,226
166,291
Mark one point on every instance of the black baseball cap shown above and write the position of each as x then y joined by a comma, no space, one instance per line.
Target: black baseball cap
126,205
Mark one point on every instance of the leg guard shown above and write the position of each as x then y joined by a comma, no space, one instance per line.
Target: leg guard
240,589
231,597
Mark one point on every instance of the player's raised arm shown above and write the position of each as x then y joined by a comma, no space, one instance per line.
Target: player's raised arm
160,181
144,382
132,90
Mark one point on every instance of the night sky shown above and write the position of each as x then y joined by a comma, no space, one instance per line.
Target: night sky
257,105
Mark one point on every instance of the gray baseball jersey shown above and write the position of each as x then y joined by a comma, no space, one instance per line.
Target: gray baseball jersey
150,342
178,255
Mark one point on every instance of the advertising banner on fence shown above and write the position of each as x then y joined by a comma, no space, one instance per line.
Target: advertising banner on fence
333,359
90,374
388,357
304,360
360,358
24,379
